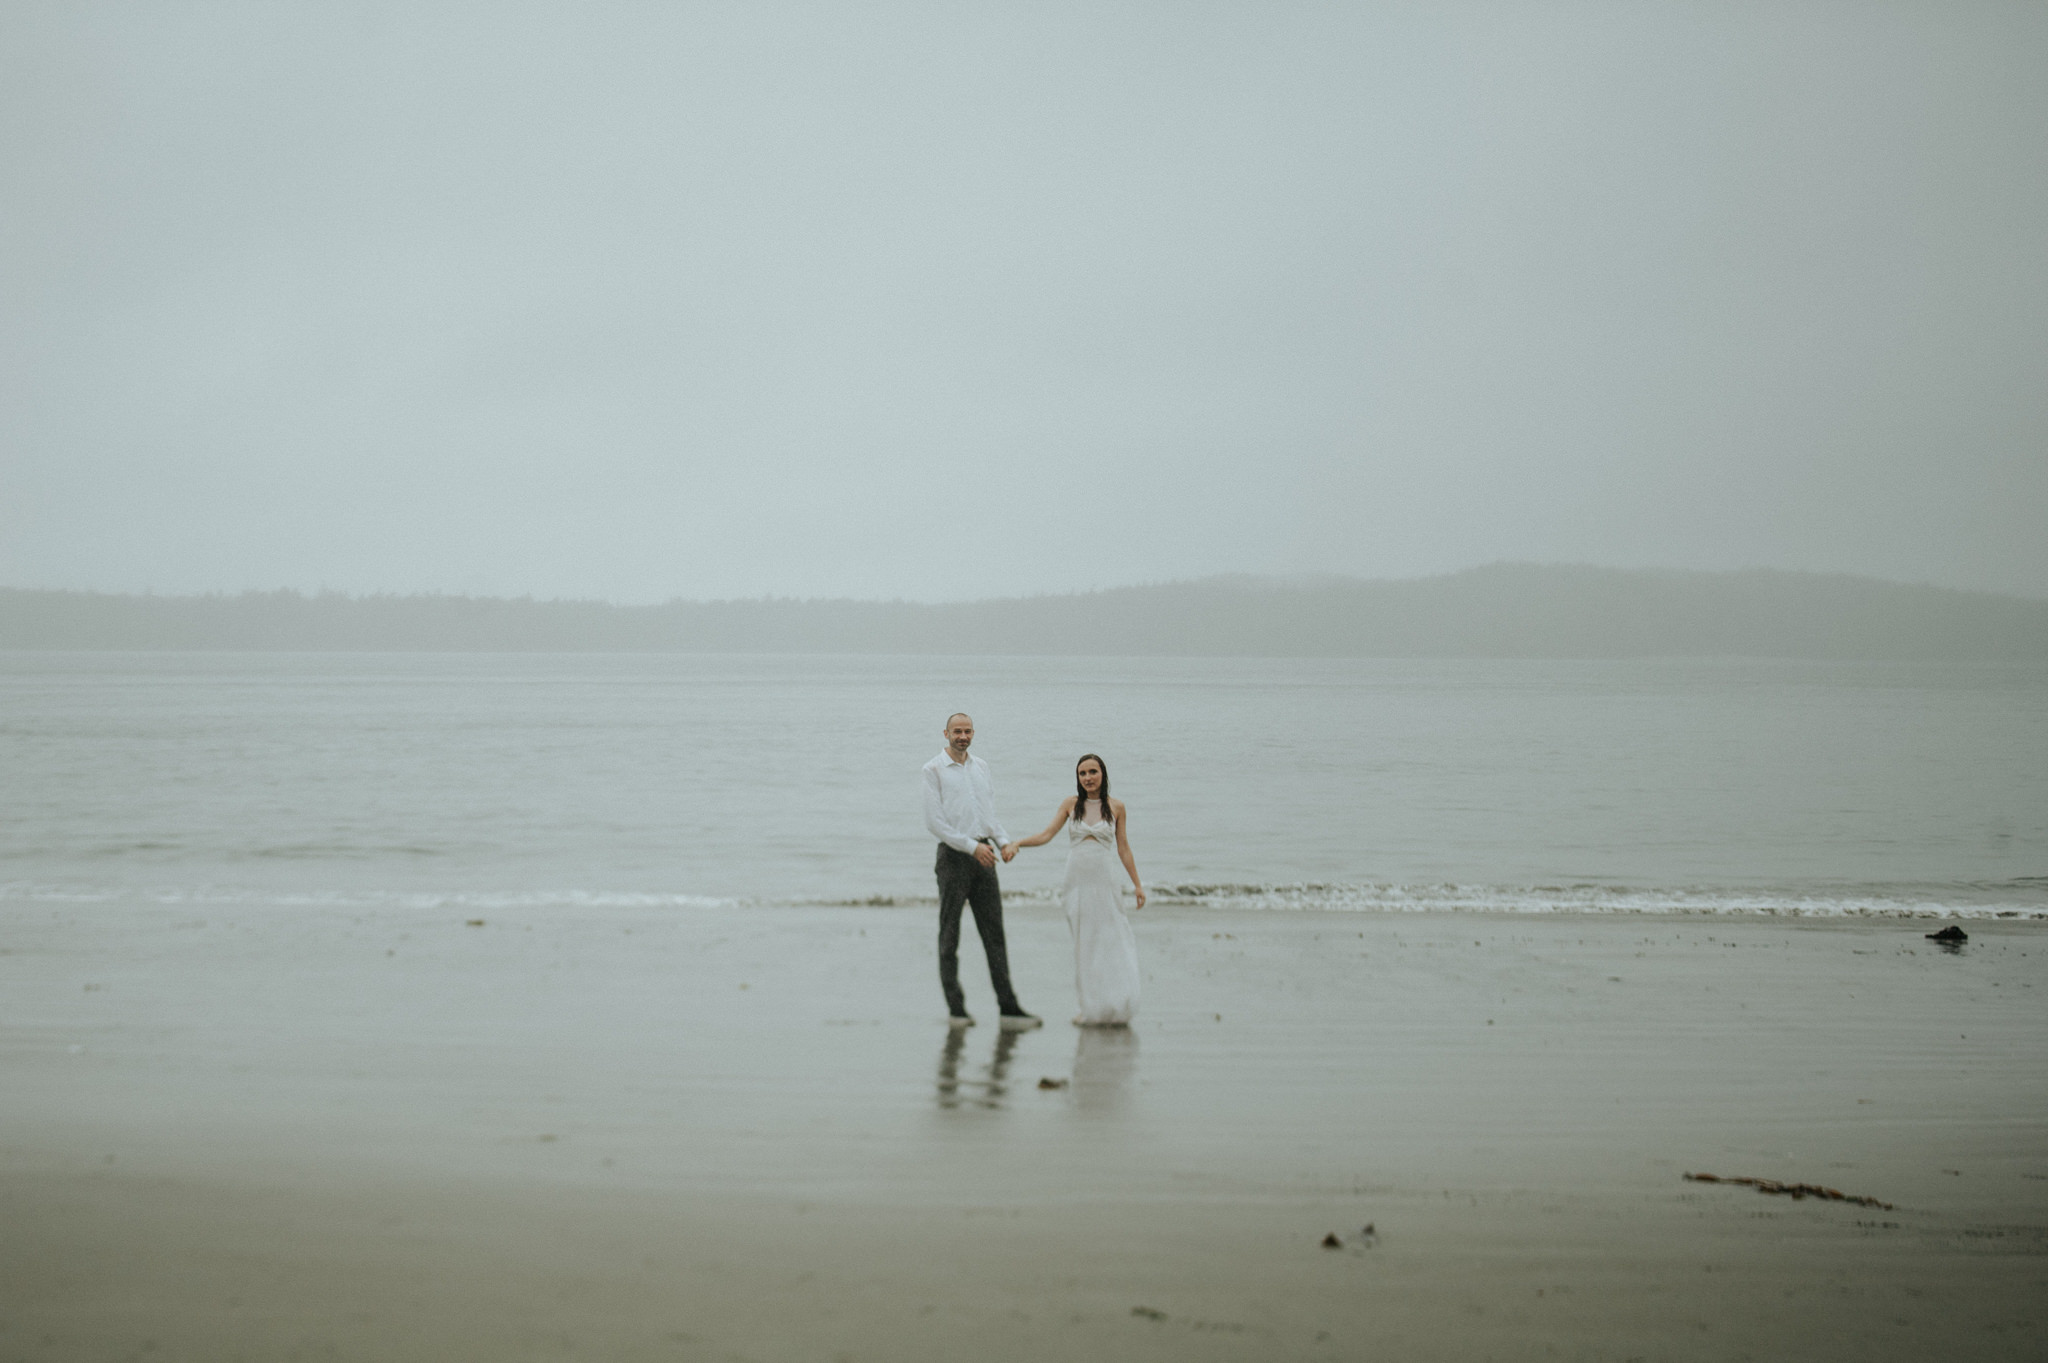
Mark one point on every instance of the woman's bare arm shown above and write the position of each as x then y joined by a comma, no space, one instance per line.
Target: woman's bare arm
1123,850
1058,819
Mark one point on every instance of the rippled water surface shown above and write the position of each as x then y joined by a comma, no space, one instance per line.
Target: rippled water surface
1520,785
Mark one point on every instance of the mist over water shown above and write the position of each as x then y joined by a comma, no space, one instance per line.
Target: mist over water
1516,785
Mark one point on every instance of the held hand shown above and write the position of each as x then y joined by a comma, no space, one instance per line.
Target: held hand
1009,850
985,854
1141,897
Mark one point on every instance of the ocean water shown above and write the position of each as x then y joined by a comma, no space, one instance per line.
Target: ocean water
1659,786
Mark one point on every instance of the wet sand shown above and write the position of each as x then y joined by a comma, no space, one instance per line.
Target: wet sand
311,1131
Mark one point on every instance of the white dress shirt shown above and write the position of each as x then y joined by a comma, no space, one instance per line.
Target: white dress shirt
960,802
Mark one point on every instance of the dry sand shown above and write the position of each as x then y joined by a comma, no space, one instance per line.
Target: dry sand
272,1132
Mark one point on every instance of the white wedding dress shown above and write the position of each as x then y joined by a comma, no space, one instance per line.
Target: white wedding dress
1105,952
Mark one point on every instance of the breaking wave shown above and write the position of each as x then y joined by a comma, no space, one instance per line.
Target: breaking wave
2009,899
363,899
2023,897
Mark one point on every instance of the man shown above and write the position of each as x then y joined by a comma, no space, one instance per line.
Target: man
960,811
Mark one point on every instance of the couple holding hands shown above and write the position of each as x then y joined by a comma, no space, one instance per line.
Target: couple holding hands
959,809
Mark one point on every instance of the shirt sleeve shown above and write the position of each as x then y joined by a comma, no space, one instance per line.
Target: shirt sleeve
935,816
995,824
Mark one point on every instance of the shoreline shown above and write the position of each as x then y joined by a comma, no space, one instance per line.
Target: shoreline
1379,900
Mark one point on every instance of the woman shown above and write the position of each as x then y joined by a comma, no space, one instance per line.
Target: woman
1105,952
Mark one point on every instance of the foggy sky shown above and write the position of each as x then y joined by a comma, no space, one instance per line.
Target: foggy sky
938,302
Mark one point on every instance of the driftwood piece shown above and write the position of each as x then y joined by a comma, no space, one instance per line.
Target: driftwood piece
1793,1190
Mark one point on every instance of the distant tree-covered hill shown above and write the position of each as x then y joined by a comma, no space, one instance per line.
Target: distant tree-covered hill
1507,610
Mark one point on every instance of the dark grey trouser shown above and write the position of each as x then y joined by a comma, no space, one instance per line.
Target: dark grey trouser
963,880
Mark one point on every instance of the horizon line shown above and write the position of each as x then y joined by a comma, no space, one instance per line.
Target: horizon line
1285,581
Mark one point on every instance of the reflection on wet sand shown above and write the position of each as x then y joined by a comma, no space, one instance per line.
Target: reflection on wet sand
985,1092
1105,1060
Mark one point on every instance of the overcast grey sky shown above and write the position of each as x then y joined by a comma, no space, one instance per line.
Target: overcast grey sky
641,301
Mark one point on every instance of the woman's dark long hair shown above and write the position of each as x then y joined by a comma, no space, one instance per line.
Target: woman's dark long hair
1081,796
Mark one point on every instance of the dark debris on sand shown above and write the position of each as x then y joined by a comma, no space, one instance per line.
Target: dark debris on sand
1797,1191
